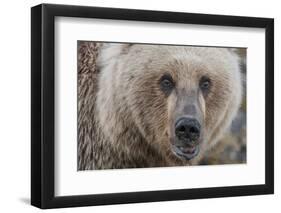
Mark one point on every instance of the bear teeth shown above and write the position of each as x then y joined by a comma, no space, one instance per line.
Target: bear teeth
188,150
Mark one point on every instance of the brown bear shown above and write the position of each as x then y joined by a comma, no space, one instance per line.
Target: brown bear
143,105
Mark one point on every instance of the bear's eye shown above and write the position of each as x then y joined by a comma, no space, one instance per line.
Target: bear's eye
205,83
166,83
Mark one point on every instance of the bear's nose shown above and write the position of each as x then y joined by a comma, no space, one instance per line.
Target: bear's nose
187,129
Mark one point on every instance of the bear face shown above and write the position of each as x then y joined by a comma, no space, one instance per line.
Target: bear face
178,100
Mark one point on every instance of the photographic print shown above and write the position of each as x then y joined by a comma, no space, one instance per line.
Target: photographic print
156,105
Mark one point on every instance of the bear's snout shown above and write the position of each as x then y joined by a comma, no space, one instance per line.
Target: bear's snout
187,130
187,137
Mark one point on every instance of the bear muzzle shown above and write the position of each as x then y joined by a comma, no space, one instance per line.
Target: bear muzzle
187,135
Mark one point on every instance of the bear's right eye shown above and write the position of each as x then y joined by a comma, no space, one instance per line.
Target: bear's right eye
205,84
166,83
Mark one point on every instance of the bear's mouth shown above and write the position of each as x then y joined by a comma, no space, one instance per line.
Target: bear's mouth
186,152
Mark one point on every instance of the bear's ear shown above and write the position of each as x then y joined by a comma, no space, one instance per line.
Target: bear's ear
111,51
240,54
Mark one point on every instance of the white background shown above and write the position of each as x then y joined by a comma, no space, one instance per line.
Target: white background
15,106
70,182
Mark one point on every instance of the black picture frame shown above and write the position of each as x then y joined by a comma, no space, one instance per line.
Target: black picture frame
43,105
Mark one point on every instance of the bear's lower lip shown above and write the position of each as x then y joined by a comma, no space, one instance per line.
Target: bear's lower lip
186,152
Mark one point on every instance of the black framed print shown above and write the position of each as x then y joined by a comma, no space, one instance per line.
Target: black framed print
139,106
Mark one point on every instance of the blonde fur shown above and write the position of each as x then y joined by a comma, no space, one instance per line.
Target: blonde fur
131,117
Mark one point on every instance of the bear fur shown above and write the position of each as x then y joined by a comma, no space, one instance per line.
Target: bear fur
125,120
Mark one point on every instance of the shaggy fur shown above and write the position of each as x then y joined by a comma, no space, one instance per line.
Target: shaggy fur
126,121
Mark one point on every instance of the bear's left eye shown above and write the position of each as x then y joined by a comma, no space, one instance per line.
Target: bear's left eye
166,83
204,83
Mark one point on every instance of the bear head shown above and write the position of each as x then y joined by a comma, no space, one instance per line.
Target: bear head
178,99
